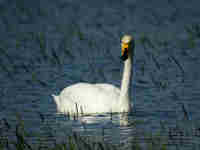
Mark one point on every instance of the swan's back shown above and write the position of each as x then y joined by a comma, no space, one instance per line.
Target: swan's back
89,98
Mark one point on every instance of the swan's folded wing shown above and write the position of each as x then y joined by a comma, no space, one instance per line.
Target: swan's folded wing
109,88
91,97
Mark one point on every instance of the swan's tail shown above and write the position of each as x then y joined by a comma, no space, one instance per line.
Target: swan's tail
56,99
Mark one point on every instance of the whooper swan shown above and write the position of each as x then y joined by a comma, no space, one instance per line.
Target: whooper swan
100,98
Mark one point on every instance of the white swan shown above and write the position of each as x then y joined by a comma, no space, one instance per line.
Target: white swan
100,98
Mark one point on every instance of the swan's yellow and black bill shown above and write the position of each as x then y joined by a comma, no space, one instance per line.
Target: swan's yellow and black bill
124,53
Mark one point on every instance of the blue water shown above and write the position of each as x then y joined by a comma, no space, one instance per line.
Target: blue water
46,46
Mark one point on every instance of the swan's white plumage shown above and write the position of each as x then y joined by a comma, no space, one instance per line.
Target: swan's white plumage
99,98
91,98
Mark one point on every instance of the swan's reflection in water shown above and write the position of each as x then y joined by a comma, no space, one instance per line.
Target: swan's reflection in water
112,128
118,129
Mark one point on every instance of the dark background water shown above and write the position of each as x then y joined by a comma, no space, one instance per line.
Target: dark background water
48,45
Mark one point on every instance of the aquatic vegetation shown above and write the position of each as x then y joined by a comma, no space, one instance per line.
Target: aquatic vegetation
193,32
42,45
163,139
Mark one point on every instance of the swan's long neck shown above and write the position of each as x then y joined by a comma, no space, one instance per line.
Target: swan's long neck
126,85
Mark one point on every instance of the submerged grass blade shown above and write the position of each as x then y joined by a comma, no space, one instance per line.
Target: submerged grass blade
179,66
4,52
42,45
55,56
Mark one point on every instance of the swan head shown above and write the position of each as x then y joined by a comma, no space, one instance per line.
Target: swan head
127,46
